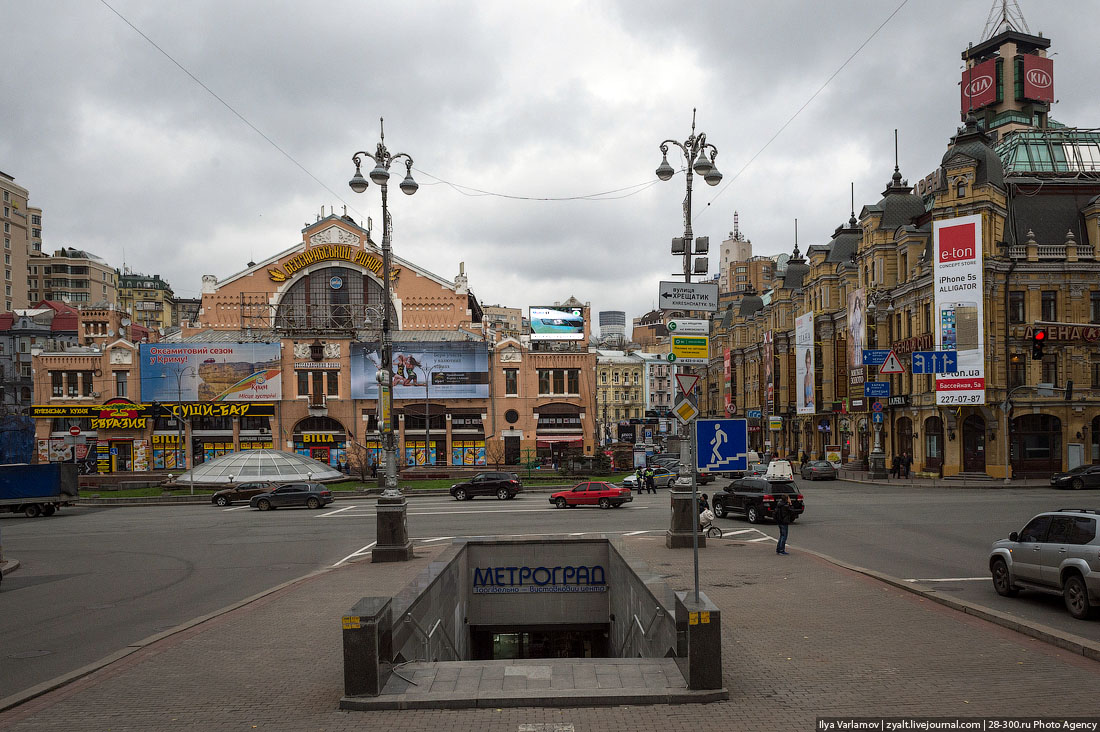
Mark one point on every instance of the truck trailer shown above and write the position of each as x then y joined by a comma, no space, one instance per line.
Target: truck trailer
38,490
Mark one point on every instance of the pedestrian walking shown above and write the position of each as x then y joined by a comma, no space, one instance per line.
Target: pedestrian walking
906,464
639,479
802,458
895,467
783,516
373,468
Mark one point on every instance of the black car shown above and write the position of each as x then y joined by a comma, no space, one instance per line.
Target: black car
756,498
241,491
1083,476
501,485
310,495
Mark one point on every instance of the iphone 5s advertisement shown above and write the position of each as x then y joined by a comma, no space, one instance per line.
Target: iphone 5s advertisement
959,315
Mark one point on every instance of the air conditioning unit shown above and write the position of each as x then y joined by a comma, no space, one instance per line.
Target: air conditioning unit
95,394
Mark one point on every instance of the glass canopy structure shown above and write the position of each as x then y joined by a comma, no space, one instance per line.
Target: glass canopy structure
250,465
1057,150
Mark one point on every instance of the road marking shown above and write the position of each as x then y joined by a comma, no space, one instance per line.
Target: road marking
764,538
356,553
236,508
741,531
494,510
438,538
635,533
339,510
951,579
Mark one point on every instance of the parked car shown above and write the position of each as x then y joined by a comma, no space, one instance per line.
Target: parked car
756,498
241,492
779,470
756,470
1057,552
1083,476
702,477
502,485
592,493
815,469
310,495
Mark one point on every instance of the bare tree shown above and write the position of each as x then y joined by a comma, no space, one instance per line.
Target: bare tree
494,452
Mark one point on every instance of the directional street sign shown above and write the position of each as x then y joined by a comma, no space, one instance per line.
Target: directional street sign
876,418
684,410
875,356
876,389
935,362
687,382
754,413
721,444
690,349
689,327
689,296
892,365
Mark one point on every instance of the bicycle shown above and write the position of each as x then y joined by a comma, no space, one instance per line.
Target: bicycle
707,526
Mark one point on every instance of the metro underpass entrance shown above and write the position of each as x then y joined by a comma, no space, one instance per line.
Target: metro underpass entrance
488,643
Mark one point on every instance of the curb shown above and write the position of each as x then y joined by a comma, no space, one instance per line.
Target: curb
8,566
1066,641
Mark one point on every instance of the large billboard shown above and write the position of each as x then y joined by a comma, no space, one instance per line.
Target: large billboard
856,302
1038,78
804,362
959,312
557,324
451,370
979,86
211,372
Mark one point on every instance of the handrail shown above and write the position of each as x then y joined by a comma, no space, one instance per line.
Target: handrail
426,638
638,623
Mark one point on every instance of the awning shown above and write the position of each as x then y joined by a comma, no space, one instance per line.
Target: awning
547,441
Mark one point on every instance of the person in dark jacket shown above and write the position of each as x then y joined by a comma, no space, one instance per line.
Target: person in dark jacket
783,517
895,467
650,480
906,464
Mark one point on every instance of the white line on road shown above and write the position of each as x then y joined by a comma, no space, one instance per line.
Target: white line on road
236,508
356,553
741,531
951,579
493,510
437,538
635,533
764,538
339,510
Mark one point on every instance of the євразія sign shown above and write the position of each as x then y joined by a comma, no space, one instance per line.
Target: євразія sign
568,578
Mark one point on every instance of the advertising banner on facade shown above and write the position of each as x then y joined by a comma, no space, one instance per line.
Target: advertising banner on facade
959,317
211,372
769,372
856,301
804,362
1038,78
979,86
452,370
727,372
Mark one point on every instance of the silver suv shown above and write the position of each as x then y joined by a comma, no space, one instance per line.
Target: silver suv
1057,552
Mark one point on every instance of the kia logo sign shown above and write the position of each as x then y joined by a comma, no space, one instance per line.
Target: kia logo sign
1039,78
981,85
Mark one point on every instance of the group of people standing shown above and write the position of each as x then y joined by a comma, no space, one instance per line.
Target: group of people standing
900,465
646,481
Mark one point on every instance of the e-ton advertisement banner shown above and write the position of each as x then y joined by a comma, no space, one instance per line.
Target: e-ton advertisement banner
959,316
804,362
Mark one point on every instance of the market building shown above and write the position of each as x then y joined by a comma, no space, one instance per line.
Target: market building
999,239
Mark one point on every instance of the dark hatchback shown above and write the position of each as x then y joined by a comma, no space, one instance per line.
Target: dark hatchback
499,484
1083,476
241,492
756,499
310,495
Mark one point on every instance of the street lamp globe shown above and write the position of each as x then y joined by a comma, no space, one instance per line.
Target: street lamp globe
380,174
712,176
702,166
664,170
358,183
409,186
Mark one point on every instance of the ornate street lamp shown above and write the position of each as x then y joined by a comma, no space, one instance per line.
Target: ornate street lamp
392,507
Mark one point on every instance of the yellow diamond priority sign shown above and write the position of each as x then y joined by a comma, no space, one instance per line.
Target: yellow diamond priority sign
685,411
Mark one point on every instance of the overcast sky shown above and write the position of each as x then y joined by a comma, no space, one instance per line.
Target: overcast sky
131,158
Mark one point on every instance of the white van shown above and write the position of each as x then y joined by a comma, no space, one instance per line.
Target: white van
779,470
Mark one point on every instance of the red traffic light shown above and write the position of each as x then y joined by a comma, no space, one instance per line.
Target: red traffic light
1040,335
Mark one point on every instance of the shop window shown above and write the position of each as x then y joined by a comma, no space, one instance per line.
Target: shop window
468,452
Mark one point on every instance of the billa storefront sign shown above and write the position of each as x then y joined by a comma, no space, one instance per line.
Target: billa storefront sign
329,252
319,439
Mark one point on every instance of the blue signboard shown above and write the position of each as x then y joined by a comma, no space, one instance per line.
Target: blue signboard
876,418
935,362
755,413
721,444
876,389
875,356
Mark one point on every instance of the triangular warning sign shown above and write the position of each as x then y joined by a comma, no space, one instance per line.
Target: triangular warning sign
687,382
892,365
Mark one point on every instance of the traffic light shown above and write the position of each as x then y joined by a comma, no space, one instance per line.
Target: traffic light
1038,339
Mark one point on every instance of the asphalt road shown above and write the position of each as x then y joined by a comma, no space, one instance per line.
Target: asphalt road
94,580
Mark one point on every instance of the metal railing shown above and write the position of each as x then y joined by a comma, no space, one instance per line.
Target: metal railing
426,639
635,622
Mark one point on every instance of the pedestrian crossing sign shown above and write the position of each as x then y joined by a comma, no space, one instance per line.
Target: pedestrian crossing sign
721,444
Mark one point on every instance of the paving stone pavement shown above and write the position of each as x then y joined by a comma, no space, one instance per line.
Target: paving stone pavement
801,639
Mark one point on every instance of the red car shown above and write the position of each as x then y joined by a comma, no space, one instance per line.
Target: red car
599,494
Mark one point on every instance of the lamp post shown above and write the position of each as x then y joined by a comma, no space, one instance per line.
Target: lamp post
180,372
695,148
436,368
877,458
393,533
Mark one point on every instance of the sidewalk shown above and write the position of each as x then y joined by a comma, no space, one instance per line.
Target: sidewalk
863,476
802,638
